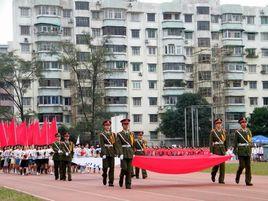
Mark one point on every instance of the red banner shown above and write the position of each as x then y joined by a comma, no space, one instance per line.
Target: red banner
178,164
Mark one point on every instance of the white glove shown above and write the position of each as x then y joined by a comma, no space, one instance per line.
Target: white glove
59,151
104,157
121,157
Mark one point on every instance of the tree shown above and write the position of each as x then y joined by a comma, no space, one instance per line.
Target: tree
258,121
88,68
172,121
16,74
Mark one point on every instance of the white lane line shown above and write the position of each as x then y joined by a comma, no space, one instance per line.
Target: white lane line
28,193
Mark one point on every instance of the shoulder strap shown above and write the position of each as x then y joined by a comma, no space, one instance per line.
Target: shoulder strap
123,139
242,136
106,138
217,136
140,145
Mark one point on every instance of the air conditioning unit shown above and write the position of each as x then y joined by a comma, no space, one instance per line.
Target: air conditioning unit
146,41
26,40
263,72
245,83
213,60
186,41
140,74
98,3
160,107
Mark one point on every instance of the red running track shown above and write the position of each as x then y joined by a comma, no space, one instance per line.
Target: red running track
158,187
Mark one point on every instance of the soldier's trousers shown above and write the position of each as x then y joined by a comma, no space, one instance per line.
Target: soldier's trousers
66,165
222,171
137,172
244,162
126,170
108,163
57,168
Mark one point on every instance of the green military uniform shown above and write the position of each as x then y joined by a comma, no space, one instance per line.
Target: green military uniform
107,144
218,146
67,156
242,147
139,146
125,140
57,158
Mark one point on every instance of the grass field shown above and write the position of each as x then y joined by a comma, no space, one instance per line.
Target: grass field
257,168
10,195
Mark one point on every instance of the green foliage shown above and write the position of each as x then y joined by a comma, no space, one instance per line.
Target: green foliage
172,121
258,121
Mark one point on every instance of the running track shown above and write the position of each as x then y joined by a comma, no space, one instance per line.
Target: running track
158,187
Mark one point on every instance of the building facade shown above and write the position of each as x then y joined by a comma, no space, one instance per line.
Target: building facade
159,52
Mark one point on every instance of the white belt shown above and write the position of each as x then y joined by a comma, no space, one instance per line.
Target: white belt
139,150
126,145
218,142
108,145
243,144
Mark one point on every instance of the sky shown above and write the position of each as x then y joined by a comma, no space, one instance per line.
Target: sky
6,14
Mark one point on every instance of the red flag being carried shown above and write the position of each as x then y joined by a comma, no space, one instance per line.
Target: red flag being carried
11,133
22,134
44,134
3,135
36,133
53,130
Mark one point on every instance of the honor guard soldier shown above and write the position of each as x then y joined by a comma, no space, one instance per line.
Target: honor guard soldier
67,156
139,147
125,140
57,156
218,146
242,147
107,144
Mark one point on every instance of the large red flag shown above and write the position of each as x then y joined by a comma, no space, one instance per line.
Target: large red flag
11,133
53,130
36,133
30,134
22,134
3,135
44,134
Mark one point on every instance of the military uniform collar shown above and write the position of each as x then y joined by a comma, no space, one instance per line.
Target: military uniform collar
218,130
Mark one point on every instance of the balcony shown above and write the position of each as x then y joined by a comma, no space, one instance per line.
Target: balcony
231,91
117,108
114,22
57,108
114,91
236,108
234,75
172,24
53,20
232,26
47,2
173,74
175,91
170,58
232,42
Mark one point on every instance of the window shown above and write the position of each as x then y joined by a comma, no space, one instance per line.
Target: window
152,84
251,36
172,32
95,15
189,68
116,65
171,49
151,33
188,18
189,51
115,100
190,84
49,100
174,83
67,31
152,50
136,67
24,12
203,42
67,84
82,56
116,48
232,34
173,66
264,69
215,18
170,100
136,84
68,119
250,19
96,32
152,101
205,91
202,10
234,116
137,118
153,118
137,101
232,18
25,30
204,58
234,67
264,19
253,84
252,68
153,135
167,16
202,25
253,101
26,84
48,10
81,39
81,5
67,13
151,17
204,75
188,35
265,84
25,48
135,51
265,100
116,30
234,100
135,33
215,35
264,52
135,17
67,101
82,21
114,13
26,101
115,83
49,82
264,36
237,83
151,68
